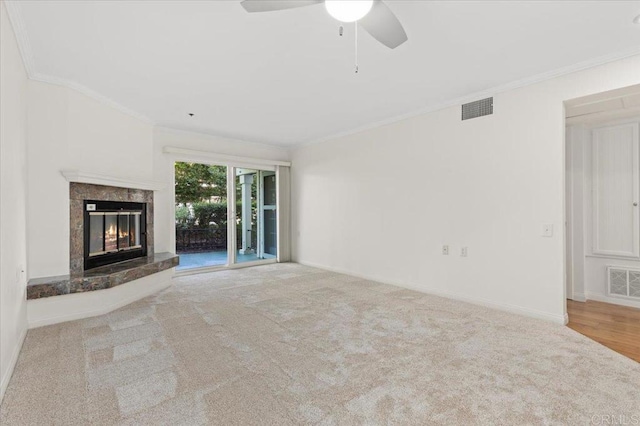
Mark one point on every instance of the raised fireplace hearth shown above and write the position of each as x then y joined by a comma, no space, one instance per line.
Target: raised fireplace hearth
111,241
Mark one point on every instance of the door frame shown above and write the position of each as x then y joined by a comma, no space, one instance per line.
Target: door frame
175,154
262,207
576,270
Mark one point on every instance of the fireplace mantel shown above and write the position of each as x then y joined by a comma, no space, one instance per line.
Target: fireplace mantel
96,179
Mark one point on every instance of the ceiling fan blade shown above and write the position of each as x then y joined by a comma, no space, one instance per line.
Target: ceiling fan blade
272,5
383,25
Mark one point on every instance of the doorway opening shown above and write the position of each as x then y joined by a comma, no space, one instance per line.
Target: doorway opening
201,215
256,218
602,248
224,215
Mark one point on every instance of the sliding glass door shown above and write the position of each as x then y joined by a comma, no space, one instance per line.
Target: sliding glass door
201,215
256,225
268,219
224,215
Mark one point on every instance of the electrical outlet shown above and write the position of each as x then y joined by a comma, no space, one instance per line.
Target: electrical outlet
445,250
463,252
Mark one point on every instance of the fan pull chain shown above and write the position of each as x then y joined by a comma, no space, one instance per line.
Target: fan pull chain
356,24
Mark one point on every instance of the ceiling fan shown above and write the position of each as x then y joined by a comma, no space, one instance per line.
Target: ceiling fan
374,16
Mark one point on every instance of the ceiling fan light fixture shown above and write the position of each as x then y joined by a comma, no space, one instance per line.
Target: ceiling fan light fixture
348,10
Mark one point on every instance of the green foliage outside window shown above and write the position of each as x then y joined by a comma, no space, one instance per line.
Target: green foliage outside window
196,183
201,196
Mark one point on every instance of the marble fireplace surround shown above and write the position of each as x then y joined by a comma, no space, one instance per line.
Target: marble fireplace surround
107,276
78,192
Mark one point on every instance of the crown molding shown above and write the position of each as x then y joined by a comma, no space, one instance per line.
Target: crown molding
25,50
20,31
96,179
538,78
91,94
15,17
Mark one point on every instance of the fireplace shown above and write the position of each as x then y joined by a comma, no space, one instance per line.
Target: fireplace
114,231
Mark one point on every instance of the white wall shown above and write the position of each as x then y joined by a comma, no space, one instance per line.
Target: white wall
163,171
381,203
68,130
588,272
13,186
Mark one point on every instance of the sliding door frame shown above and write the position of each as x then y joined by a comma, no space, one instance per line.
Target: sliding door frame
232,163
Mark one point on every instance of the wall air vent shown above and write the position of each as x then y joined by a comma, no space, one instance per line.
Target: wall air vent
477,109
624,282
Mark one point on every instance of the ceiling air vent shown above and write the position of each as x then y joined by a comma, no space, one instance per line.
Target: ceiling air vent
477,109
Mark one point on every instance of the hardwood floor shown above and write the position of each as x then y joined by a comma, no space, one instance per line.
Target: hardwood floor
617,327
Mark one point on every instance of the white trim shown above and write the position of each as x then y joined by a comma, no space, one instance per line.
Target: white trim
260,214
231,216
527,81
20,31
22,38
568,213
223,159
69,307
96,179
612,256
12,364
43,78
25,49
283,213
602,117
613,300
532,313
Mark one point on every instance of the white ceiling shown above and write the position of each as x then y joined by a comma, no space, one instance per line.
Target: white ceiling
287,77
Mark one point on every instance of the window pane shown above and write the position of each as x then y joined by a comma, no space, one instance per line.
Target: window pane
111,232
247,215
96,234
123,231
134,230
270,233
270,190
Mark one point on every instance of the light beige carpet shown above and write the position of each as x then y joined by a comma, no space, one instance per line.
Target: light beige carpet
286,344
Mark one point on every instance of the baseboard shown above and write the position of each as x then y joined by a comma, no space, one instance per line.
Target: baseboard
532,313
69,307
4,383
614,300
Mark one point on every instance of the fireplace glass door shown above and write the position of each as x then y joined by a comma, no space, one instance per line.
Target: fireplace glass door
111,232
114,231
